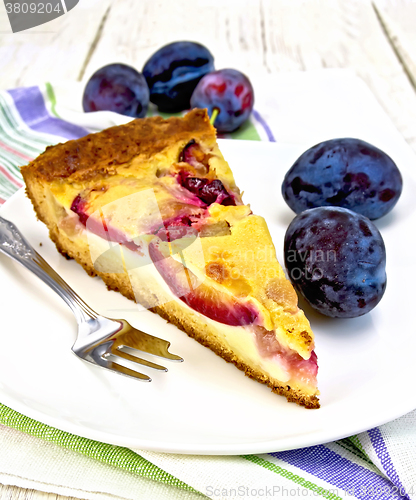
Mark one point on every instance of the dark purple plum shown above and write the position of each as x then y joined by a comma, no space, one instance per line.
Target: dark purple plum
228,90
173,72
119,88
348,173
336,259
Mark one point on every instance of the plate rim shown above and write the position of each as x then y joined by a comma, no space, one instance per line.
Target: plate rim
298,441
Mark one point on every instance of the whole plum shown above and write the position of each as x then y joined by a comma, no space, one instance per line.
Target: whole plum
348,173
173,72
228,90
336,259
119,88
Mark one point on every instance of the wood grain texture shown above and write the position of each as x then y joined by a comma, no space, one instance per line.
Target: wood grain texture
15,493
53,51
231,29
268,36
328,34
398,21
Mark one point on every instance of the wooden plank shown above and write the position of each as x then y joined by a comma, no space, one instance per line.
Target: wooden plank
56,50
16,493
398,19
268,36
331,34
230,29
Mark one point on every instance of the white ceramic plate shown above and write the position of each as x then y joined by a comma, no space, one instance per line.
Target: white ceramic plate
205,405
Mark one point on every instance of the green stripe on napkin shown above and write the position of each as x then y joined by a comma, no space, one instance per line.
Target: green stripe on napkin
308,485
117,456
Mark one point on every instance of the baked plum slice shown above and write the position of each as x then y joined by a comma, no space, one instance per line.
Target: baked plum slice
100,227
79,206
200,297
193,155
305,370
206,190
209,191
177,228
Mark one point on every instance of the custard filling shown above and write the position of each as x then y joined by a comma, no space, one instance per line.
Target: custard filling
168,233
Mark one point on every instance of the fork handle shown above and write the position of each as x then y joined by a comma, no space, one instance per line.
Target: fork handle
14,245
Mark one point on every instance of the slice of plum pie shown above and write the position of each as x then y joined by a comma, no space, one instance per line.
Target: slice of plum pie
153,209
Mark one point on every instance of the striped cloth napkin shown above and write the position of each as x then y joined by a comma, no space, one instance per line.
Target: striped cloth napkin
377,464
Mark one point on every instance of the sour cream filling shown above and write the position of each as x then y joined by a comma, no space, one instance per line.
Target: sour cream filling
256,346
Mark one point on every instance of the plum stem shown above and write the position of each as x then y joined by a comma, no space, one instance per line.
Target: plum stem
214,115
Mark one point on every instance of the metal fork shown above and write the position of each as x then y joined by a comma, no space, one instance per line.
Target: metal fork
110,343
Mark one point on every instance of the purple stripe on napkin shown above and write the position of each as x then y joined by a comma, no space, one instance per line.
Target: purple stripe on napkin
30,104
327,465
264,124
381,449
